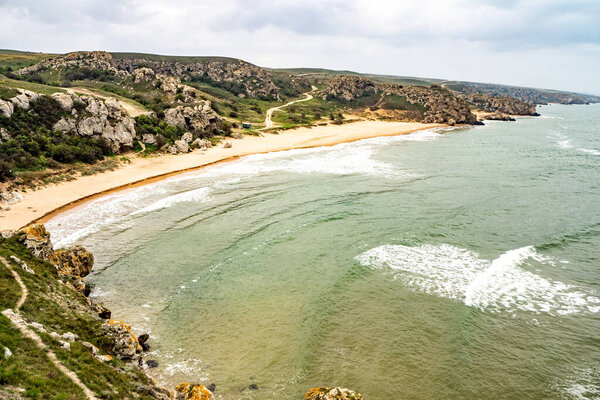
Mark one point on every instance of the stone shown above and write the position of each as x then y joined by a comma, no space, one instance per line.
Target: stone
172,149
102,311
69,336
148,138
182,146
65,100
4,135
336,393
200,117
253,386
227,145
152,364
37,240
38,326
10,197
64,345
93,349
238,136
7,108
125,344
75,261
7,234
143,74
22,264
187,137
187,391
143,340
212,387
7,353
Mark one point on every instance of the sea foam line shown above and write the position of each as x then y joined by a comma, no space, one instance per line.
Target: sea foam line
501,285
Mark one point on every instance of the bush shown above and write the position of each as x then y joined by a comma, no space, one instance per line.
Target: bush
5,171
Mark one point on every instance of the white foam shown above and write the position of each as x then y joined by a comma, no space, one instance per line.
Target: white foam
582,384
501,285
564,142
200,195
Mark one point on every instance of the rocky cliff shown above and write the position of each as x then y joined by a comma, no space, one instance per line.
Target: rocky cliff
436,104
253,81
500,104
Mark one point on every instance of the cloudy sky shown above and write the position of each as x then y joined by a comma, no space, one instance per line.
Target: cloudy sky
540,43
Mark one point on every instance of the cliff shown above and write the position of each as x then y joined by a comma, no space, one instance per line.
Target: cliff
432,104
498,104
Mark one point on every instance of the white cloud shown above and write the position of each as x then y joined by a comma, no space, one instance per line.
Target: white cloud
549,43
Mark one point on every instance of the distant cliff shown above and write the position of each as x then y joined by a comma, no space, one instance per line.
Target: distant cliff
432,104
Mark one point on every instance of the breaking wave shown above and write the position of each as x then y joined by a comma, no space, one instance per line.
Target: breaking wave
501,285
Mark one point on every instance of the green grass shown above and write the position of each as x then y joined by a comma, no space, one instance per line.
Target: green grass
395,102
12,60
29,368
12,84
60,309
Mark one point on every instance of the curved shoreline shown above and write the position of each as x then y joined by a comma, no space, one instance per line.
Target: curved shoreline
68,195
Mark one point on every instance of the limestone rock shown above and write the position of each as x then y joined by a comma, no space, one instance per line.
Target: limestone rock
143,74
7,234
125,344
336,393
65,100
187,137
227,145
75,261
37,240
500,104
172,149
102,311
498,116
182,146
6,108
188,391
201,117
7,353
11,197
23,264
148,138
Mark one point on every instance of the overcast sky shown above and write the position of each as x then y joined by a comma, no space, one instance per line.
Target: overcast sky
539,43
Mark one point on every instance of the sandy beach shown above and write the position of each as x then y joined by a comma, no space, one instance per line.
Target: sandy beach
42,204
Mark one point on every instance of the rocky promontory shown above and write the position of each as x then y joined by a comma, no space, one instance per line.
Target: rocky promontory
500,104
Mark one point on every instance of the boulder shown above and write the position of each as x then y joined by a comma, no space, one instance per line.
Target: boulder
182,146
125,344
65,100
172,150
336,393
37,240
7,353
75,261
4,135
201,117
10,197
227,145
148,138
143,341
143,74
187,137
188,391
102,311
6,108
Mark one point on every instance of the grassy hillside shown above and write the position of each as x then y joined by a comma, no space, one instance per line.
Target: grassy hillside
12,60
29,373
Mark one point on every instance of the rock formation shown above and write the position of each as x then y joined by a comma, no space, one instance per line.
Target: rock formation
336,393
200,117
503,105
76,261
22,100
37,239
439,105
125,344
255,81
188,391
94,117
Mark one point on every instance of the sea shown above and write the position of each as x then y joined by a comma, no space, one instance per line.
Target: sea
451,263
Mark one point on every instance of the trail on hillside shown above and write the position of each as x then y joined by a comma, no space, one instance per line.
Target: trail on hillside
269,123
17,320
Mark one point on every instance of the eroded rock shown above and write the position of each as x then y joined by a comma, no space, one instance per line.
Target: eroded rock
76,261
188,391
336,393
37,240
125,344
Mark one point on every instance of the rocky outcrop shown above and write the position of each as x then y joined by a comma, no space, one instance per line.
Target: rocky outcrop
336,393
125,344
37,240
22,100
200,117
501,105
436,104
75,261
498,116
188,391
252,80
94,117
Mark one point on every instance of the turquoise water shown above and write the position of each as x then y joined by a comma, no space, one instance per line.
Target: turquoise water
458,263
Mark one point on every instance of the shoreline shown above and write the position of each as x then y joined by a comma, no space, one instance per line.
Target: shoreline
46,203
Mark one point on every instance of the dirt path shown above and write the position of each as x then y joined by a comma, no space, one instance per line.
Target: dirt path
269,123
131,109
18,321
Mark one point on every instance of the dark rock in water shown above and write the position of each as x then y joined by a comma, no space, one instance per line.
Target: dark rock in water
152,363
102,311
212,387
253,386
478,123
143,340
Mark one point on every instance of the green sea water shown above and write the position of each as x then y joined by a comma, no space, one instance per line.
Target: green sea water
447,264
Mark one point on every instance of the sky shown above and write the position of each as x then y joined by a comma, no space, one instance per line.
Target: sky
537,43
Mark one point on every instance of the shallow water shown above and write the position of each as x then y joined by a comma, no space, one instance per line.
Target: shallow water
457,263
